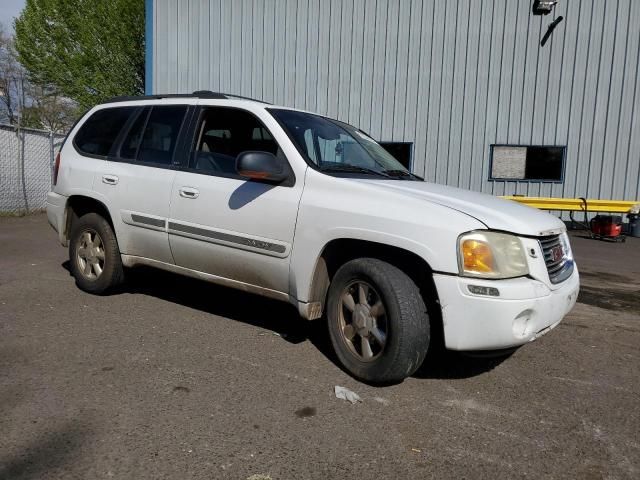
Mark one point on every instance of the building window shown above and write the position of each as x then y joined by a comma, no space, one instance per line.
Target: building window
401,151
528,163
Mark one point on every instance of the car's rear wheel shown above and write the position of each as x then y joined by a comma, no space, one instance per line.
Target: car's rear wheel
378,322
94,255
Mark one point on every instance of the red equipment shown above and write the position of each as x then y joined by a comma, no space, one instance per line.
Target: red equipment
607,227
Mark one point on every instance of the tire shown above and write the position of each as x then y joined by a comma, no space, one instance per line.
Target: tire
94,255
392,320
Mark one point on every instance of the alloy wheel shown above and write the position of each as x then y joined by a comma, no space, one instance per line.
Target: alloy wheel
362,320
90,254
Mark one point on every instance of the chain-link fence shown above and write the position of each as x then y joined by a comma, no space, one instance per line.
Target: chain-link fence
26,168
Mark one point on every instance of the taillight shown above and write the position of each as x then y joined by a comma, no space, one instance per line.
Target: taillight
56,169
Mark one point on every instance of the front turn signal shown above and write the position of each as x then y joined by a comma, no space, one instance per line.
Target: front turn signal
477,257
487,254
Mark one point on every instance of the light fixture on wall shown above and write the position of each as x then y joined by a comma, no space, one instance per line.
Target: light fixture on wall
543,7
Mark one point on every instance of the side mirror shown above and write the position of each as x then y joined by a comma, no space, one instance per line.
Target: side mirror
263,166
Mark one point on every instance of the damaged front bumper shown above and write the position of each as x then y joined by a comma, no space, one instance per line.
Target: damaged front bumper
523,310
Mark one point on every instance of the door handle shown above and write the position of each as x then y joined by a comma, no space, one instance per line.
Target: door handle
189,192
110,179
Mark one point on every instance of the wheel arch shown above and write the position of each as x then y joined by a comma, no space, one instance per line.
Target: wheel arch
79,205
341,250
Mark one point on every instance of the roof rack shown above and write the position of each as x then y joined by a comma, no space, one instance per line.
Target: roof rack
231,96
207,94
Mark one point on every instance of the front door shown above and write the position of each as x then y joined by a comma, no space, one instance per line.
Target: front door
223,224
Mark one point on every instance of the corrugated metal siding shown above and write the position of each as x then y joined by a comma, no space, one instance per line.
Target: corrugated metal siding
453,77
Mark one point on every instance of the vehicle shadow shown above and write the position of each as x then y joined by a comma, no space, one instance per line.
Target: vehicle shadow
28,449
52,451
449,365
247,193
281,318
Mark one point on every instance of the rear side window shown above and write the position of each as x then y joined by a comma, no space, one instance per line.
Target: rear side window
98,134
161,134
131,142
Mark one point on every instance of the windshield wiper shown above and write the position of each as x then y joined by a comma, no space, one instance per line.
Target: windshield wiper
401,173
355,169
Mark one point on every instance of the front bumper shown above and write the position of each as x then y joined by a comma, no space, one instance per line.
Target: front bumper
56,205
525,310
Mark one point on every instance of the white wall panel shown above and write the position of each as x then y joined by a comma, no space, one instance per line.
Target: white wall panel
452,77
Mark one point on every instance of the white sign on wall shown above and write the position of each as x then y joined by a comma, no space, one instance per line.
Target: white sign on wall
509,162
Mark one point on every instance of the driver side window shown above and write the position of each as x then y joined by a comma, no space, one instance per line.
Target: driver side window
223,134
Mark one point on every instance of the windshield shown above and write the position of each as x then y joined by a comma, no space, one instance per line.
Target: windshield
338,147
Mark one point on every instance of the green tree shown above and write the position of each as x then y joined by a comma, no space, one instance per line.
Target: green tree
26,104
87,50
11,80
48,110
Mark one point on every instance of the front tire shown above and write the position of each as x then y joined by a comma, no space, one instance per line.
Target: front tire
378,322
94,255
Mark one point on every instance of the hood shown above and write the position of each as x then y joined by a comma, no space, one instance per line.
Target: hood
494,212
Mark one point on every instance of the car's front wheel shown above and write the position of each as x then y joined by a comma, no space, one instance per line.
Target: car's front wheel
94,255
378,322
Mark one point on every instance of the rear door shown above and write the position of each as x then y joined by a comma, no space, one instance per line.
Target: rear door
87,152
223,224
138,177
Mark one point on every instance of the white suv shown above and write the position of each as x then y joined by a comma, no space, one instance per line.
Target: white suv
309,210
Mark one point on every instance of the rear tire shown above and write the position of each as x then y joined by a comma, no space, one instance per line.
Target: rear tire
94,255
378,322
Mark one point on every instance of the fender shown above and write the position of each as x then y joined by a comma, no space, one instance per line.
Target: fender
305,260
335,208
93,195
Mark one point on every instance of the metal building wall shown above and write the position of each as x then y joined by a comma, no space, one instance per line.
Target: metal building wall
451,76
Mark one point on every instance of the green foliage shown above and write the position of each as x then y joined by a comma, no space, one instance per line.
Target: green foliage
48,110
88,50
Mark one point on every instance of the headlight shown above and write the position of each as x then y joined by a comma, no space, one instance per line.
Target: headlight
491,255
566,246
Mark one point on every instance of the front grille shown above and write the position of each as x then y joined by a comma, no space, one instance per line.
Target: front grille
559,265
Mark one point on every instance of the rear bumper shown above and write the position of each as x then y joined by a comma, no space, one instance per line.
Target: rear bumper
525,310
56,206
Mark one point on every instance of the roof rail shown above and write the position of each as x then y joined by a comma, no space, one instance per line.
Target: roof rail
233,95
207,94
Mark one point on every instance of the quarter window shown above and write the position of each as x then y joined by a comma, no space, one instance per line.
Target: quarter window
98,134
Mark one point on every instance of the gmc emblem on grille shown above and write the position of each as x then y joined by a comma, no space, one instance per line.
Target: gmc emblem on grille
556,253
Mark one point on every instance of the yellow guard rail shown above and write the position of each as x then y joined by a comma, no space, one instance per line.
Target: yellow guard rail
574,204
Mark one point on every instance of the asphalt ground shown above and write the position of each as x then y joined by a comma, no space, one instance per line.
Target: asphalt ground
175,378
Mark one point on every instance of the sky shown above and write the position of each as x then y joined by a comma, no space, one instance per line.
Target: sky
8,10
